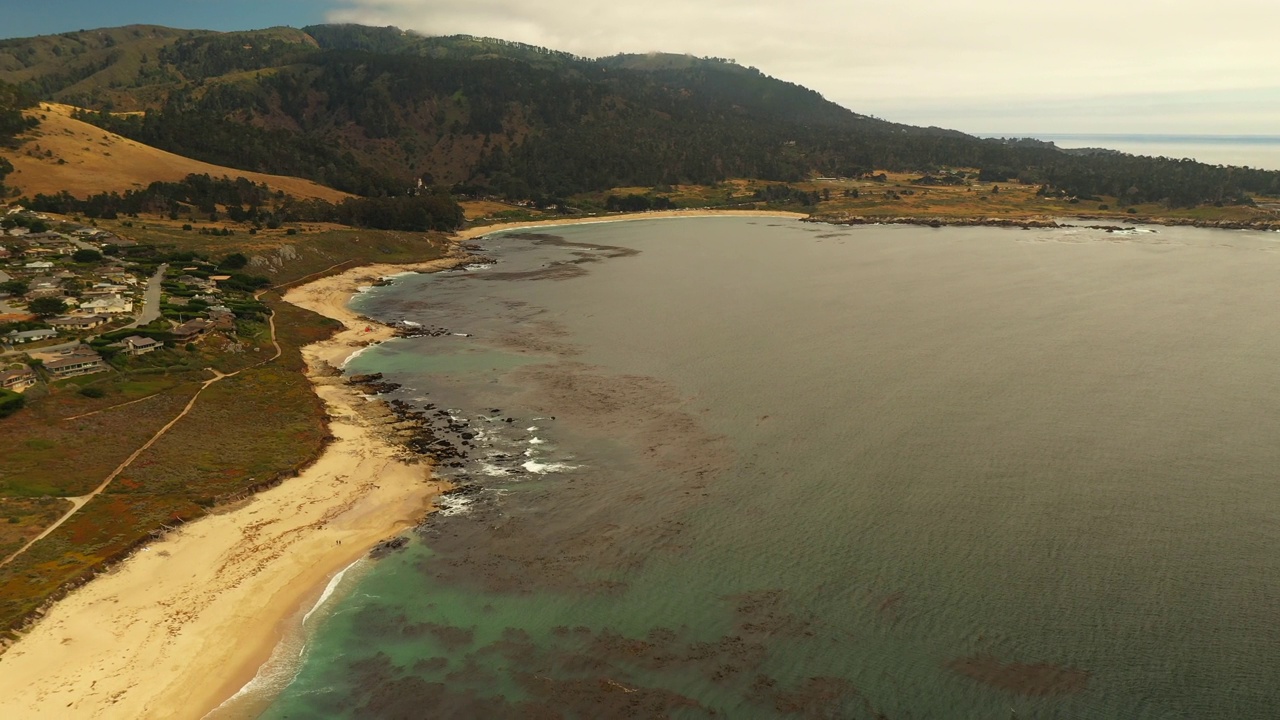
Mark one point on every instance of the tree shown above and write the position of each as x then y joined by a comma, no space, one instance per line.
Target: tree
10,402
234,261
86,256
47,306
14,287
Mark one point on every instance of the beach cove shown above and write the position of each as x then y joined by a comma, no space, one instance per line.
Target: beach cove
181,626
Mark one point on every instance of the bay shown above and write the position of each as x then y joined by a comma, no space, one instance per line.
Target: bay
764,468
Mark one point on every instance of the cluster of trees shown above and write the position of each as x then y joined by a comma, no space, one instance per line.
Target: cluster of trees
245,201
10,402
787,195
195,193
13,100
637,203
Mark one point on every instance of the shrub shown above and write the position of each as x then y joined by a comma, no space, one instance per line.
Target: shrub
90,391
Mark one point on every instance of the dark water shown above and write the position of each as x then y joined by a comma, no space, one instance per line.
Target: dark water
804,471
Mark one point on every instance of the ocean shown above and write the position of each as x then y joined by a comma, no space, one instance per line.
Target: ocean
1256,151
759,468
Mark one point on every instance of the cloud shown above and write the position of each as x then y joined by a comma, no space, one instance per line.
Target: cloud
890,58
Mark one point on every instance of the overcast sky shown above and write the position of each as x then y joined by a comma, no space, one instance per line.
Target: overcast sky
982,66
1172,66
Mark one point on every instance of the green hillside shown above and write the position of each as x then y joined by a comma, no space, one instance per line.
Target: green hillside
373,110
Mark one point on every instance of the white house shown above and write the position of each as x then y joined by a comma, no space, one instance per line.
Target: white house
113,305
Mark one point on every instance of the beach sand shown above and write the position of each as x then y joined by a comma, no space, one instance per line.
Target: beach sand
479,231
183,624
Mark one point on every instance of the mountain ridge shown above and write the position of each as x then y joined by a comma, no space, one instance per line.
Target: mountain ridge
371,111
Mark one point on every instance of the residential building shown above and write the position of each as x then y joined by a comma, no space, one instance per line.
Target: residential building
111,305
191,329
39,265
138,345
76,323
222,318
17,338
80,362
17,380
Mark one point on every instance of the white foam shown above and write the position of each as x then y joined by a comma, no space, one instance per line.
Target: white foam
538,468
328,591
537,441
356,354
532,428
363,289
279,670
410,323
451,505
493,470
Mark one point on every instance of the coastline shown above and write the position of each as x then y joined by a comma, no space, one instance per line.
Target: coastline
482,230
183,624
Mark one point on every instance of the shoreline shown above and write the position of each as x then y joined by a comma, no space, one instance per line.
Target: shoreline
472,233
182,625
189,608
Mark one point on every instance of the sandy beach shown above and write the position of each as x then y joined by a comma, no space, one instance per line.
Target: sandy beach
183,624
475,232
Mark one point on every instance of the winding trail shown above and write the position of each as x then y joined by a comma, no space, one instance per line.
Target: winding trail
79,502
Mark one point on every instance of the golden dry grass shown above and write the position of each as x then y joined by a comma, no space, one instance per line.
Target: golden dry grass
95,161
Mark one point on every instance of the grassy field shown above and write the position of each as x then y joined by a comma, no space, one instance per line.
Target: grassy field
64,443
67,154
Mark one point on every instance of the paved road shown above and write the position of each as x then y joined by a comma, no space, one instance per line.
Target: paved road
151,300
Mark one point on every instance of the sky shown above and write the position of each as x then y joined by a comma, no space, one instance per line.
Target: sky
982,66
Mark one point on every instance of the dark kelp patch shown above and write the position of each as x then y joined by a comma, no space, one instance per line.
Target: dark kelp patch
1031,679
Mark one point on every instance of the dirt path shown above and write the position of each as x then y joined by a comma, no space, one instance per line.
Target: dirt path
79,502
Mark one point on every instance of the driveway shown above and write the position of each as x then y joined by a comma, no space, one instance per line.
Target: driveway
151,300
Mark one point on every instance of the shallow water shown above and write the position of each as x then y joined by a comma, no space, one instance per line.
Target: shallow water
799,470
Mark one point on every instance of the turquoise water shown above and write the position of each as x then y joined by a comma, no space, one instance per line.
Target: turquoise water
761,468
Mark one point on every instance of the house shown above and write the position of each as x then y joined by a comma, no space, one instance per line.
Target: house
18,231
80,362
75,323
111,305
104,289
5,277
222,318
17,380
39,265
138,345
17,338
191,330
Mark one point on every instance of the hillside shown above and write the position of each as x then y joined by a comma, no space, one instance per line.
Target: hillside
371,111
66,154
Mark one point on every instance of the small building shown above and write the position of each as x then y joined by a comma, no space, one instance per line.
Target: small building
138,345
18,338
222,318
76,323
80,362
18,380
191,330
111,305
39,265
